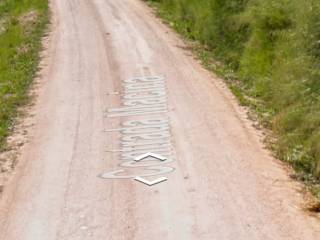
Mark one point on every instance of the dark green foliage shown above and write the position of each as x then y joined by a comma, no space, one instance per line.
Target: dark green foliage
273,47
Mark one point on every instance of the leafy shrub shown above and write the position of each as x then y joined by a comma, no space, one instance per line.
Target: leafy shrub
274,48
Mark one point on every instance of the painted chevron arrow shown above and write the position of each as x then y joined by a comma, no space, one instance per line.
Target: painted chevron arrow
150,183
149,154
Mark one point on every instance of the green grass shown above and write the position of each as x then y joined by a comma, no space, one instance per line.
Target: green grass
269,53
22,25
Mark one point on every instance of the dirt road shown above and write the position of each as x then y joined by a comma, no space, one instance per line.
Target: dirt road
104,57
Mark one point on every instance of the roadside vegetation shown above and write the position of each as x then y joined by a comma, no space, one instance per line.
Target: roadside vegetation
269,53
22,24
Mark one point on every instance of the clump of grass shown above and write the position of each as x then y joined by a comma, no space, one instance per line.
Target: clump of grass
272,49
22,24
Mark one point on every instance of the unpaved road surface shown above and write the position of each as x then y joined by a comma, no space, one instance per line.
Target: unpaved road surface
221,184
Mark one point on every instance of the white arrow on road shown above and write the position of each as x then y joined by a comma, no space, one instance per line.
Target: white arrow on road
156,156
150,183
149,154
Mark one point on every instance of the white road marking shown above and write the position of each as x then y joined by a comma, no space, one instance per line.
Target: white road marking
125,174
142,139
150,183
149,154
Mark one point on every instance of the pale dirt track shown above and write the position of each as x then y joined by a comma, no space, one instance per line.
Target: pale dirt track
226,186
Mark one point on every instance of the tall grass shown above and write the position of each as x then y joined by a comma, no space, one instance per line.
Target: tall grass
273,48
22,24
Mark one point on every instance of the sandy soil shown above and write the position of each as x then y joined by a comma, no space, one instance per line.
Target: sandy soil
225,184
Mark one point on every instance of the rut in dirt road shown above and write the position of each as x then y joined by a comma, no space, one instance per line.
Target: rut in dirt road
118,84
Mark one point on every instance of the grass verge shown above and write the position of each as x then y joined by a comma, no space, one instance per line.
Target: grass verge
268,53
22,26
